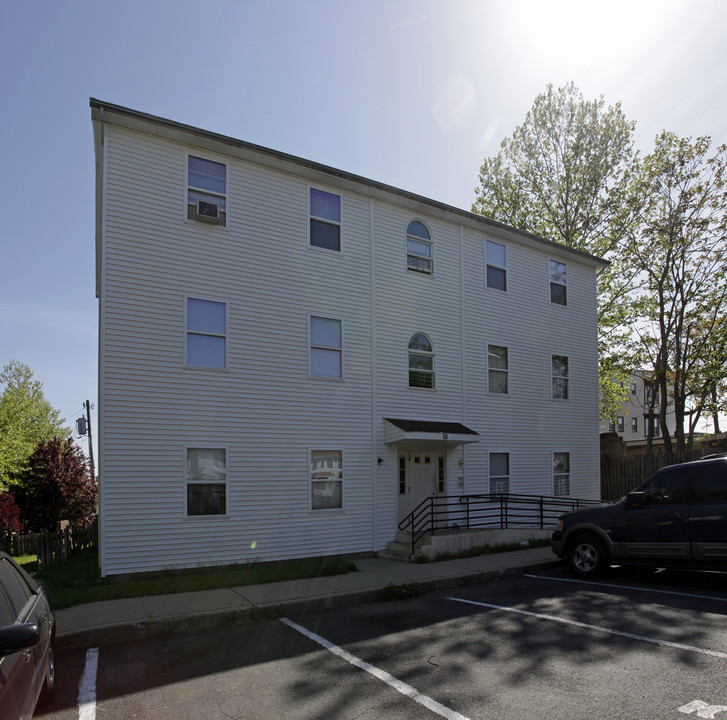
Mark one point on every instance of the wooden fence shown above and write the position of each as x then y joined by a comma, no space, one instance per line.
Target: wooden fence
52,546
621,475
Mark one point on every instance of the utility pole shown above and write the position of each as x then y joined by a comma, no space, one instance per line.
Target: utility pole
90,439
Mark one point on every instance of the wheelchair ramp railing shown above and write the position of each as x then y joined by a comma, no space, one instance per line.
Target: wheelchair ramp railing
499,511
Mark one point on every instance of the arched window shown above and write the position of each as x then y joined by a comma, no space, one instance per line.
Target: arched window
421,362
418,248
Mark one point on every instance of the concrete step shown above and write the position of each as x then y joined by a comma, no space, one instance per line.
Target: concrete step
403,548
389,555
405,537
400,549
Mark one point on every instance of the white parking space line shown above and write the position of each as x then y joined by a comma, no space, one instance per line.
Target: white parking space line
87,687
382,675
597,628
627,587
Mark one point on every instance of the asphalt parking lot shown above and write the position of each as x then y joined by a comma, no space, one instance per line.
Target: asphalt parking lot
636,645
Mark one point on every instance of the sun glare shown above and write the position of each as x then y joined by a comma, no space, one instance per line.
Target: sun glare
576,33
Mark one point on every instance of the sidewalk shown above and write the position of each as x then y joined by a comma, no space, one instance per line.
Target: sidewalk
115,620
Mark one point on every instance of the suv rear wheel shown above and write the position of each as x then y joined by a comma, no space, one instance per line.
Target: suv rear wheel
587,556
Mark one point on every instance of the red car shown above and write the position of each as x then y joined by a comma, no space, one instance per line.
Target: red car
27,633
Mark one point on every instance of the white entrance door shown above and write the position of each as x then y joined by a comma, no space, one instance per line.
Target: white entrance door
421,475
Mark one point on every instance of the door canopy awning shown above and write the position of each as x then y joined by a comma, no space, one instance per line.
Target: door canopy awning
428,432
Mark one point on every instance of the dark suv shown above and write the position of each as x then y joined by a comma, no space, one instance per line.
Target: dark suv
677,518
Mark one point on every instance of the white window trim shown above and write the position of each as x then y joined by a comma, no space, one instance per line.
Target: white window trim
503,451
569,473
310,216
197,332
568,377
311,347
498,267
326,447
551,282
188,186
421,240
507,372
431,353
205,446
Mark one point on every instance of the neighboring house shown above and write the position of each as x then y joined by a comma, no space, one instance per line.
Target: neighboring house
293,357
631,422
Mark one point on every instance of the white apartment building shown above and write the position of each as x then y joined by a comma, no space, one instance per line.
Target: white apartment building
292,357
634,416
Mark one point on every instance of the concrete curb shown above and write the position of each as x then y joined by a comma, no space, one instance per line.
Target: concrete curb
114,632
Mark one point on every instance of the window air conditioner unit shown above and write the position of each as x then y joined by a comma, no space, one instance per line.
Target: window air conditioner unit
207,211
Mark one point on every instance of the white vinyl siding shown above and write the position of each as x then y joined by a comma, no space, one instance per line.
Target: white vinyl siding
264,408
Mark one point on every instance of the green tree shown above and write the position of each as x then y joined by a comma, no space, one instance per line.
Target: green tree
55,484
26,418
680,249
565,175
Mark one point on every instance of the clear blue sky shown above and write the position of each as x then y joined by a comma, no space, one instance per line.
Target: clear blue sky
409,93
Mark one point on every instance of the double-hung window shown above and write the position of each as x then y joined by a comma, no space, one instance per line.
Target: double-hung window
561,474
326,479
499,473
655,424
497,369
421,361
206,481
325,220
206,191
326,347
634,425
496,259
560,377
206,333
418,248
558,286
651,394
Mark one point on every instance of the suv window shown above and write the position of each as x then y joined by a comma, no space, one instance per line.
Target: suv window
711,483
669,487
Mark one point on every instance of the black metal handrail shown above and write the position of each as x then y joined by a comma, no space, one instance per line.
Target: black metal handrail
494,510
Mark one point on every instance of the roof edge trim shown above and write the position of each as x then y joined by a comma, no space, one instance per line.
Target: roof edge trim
105,109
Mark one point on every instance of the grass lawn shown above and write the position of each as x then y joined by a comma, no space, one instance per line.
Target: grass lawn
76,581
